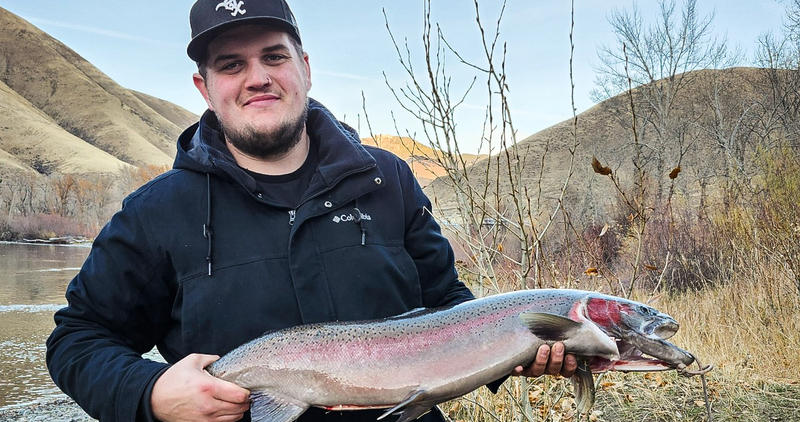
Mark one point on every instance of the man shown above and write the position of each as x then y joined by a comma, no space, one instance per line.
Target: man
274,215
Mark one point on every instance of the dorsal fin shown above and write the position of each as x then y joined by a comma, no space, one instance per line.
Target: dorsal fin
412,313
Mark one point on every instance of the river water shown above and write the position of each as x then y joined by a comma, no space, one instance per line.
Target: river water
33,279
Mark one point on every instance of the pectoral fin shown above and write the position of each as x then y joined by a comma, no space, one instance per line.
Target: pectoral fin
268,407
550,327
583,383
412,407
582,338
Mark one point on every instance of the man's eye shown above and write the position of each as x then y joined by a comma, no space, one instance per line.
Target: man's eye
231,66
274,57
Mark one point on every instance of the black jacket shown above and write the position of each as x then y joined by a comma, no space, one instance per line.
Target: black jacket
198,262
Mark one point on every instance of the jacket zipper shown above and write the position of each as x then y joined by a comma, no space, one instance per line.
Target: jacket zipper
291,217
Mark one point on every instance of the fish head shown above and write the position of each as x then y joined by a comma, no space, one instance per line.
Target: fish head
639,331
617,316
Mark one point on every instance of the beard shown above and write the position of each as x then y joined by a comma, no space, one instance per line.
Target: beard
267,144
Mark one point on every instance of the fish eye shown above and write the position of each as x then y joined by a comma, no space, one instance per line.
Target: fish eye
646,310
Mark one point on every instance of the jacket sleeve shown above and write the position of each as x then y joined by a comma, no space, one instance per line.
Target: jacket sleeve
429,249
118,305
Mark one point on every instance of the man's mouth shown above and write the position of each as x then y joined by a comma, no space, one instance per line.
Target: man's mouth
261,99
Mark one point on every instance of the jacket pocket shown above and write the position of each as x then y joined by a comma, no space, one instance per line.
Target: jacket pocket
238,303
372,281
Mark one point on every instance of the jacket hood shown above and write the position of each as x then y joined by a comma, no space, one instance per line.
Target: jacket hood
201,148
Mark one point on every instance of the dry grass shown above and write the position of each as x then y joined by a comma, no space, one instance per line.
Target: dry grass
750,327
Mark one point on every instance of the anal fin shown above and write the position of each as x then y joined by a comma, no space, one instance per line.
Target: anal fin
266,406
583,383
412,407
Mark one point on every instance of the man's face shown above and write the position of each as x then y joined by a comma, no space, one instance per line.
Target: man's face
257,84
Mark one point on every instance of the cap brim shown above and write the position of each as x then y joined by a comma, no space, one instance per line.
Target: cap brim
197,46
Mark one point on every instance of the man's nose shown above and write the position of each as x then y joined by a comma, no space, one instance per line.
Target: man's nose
258,77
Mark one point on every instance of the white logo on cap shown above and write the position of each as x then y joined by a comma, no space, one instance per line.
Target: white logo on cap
235,6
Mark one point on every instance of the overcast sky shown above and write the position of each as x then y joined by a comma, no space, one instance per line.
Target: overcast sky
141,45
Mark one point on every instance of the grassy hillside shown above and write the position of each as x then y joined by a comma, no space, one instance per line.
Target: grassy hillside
64,94
605,131
34,141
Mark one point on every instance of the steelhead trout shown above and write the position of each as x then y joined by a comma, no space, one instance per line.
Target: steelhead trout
409,363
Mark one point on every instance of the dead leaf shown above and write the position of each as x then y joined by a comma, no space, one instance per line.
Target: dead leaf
606,385
674,173
650,267
656,378
592,272
604,230
533,396
599,168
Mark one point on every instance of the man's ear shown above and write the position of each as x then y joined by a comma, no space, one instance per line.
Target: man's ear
307,67
200,84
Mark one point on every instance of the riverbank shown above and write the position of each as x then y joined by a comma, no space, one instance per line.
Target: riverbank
57,409
86,243
61,240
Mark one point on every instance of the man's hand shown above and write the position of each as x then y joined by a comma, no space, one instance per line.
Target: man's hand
186,392
558,364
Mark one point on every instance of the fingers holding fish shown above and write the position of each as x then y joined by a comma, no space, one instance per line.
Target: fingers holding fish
570,365
556,359
549,361
537,368
186,392
561,363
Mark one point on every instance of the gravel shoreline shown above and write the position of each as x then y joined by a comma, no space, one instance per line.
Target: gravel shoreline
56,409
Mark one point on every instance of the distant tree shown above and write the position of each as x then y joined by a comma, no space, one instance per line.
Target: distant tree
132,178
778,56
93,194
657,61
63,187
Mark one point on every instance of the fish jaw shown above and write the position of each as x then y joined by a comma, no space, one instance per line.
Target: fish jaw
630,360
661,349
600,365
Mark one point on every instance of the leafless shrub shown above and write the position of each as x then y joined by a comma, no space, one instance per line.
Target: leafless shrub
56,204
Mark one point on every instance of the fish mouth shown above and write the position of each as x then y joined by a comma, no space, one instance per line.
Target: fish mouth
663,329
646,351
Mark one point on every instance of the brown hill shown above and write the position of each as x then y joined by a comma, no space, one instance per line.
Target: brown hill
605,131
33,140
69,116
421,158
179,116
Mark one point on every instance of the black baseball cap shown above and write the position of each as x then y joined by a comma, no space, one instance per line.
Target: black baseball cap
210,17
